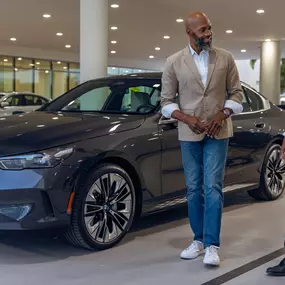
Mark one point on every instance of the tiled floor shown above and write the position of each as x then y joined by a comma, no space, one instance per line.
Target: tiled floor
150,253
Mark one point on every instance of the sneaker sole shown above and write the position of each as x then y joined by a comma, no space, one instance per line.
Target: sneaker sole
190,258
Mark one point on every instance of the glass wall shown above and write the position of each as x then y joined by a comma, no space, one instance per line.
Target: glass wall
47,78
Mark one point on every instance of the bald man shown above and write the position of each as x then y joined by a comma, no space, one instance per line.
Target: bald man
207,83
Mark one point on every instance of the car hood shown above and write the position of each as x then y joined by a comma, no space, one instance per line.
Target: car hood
41,130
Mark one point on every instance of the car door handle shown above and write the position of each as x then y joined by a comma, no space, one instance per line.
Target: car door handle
260,125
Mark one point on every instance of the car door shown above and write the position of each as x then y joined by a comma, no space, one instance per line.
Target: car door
251,136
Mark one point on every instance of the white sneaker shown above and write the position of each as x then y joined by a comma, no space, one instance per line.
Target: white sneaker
193,251
211,256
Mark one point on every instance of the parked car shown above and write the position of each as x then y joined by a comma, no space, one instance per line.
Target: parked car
20,102
101,154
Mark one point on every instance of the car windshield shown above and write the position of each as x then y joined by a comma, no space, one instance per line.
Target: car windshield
132,95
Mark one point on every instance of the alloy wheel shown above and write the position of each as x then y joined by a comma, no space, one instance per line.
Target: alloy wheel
275,173
108,208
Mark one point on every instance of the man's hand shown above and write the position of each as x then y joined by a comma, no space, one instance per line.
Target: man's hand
214,126
195,124
283,149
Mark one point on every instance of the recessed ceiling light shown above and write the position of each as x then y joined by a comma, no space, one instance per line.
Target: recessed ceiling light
68,46
6,60
59,34
166,37
31,64
19,58
229,31
179,20
157,48
16,69
114,28
46,71
64,67
268,40
46,16
260,11
113,51
38,63
13,39
113,42
151,56
243,50
59,62
115,6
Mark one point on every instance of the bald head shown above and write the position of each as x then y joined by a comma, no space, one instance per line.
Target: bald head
198,28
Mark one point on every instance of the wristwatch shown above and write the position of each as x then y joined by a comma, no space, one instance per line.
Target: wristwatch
227,112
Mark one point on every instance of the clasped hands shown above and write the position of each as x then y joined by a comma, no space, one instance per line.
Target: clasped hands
211,127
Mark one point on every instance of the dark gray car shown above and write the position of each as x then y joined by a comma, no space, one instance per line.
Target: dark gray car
100,155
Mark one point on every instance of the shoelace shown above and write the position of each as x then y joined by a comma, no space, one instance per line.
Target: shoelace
212,249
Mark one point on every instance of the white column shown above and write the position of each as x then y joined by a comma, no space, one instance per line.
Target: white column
93,39
270,71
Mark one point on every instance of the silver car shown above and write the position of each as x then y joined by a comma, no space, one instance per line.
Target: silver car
21,102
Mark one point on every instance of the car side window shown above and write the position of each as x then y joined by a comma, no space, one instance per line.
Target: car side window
245,103
254,99
14,100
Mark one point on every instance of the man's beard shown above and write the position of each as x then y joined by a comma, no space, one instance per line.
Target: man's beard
200,42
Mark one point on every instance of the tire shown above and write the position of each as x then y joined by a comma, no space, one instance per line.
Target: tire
107,198
272,179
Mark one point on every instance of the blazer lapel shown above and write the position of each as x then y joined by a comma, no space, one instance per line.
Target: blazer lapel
188,59
211,66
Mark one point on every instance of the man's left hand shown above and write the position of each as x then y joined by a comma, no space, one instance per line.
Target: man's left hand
214,126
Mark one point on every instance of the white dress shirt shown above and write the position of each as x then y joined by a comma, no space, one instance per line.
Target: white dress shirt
202,62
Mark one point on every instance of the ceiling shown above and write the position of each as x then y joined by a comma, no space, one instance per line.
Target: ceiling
142,25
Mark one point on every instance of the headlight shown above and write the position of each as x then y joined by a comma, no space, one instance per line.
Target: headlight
44,159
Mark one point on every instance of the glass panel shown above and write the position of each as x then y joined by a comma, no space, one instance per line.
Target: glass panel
6,79
24,63
42,64
43,83
254,99
74,80
245,104
31,100
24,80
60,81
6,61
59,66
113,70
74,67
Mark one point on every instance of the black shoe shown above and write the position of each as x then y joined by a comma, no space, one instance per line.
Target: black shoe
278,270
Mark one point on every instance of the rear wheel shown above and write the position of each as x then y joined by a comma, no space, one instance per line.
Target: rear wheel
103,209
272,180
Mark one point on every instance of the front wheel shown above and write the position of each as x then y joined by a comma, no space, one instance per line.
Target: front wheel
103,209
272,180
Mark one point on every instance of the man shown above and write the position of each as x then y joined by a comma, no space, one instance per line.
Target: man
279,270
209,92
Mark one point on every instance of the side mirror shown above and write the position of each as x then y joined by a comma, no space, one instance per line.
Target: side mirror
5,104
165,121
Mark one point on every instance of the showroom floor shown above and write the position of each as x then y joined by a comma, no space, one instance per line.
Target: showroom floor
252,240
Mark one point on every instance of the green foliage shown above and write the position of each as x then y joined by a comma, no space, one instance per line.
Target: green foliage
252,63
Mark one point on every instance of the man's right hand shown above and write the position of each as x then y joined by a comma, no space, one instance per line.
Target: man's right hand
193,122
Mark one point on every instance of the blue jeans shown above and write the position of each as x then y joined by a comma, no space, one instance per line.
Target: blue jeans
204,164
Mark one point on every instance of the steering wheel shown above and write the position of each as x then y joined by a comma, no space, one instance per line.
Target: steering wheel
147,106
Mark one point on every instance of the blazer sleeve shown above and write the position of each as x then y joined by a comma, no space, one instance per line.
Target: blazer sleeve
234,89
169,90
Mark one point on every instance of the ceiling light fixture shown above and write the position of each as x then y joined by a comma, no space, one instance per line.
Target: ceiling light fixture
13,39
19,58
113,42
113,51
59,62
268,40
114,28
260,11
38,63
59,34
243,50
5,60
68,46
46,71
157,48
151,56
64,67
46,16
179,20
229,31
115,6
166,37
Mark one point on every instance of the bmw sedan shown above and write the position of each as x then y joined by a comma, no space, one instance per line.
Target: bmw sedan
101,155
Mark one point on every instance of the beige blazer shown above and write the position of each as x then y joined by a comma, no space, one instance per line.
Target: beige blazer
182,76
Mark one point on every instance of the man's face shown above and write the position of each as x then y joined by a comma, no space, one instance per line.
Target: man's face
202,35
